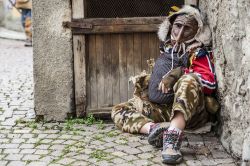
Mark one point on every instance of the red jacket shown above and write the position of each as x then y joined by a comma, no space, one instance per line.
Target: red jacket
201,63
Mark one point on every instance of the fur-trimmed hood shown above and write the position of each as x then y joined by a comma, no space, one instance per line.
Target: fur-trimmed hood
203,34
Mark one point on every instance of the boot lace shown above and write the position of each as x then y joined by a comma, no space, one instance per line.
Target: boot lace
172,139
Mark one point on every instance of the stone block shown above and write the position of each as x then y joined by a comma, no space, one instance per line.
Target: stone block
27,151
14,157
66,161
37,164
42,152
16,163
27,146
11,151
118,161
31,157
145,155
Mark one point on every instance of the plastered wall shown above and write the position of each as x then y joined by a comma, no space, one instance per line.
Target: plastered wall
53,59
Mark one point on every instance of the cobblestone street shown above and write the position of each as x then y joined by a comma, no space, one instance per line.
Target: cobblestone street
76,142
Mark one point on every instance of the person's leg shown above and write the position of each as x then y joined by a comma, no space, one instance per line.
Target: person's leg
156,130
189,100
178,121
146,128
127,118
28,27
23,17
132,118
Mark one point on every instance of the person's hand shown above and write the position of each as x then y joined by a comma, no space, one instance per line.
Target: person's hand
168,80
166,84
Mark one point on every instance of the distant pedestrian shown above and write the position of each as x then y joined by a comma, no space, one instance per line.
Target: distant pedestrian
25,7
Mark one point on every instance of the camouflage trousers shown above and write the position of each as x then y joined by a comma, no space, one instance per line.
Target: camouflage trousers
189,99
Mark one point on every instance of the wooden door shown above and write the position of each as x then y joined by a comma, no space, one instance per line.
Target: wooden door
112,59
107,51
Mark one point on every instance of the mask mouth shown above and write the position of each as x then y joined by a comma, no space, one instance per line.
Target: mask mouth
173,38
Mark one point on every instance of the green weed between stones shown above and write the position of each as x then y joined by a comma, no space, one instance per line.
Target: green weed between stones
28,161
20,121
76,133
30,124
67,149
123,141
99,155
73,148
112,134
89,120
68,125
38,143
1,109
99,137
100,125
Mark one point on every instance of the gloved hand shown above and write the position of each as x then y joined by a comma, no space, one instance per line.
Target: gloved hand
168,80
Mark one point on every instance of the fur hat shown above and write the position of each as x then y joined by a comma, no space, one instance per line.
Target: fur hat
203,34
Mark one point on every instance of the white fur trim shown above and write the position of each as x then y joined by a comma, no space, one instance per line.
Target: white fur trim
203,34
163,30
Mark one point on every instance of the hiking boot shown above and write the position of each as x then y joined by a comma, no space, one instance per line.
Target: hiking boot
155,137
171,147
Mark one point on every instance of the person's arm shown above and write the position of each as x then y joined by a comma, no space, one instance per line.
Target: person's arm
168,80
203,67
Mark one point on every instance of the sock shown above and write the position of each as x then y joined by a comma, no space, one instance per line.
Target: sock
151,125
173,128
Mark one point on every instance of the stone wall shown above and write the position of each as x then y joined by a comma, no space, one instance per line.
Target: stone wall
229,21
53,59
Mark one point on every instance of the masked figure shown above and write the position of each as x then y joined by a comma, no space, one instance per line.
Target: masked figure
175,91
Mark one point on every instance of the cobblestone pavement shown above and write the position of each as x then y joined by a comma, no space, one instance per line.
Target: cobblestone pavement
77,142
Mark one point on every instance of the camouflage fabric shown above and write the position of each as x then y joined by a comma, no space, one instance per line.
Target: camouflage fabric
136,112
189,99
130,116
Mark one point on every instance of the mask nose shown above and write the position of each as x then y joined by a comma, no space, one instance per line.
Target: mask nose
179,36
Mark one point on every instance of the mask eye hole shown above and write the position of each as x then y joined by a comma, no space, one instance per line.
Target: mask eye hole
178,25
